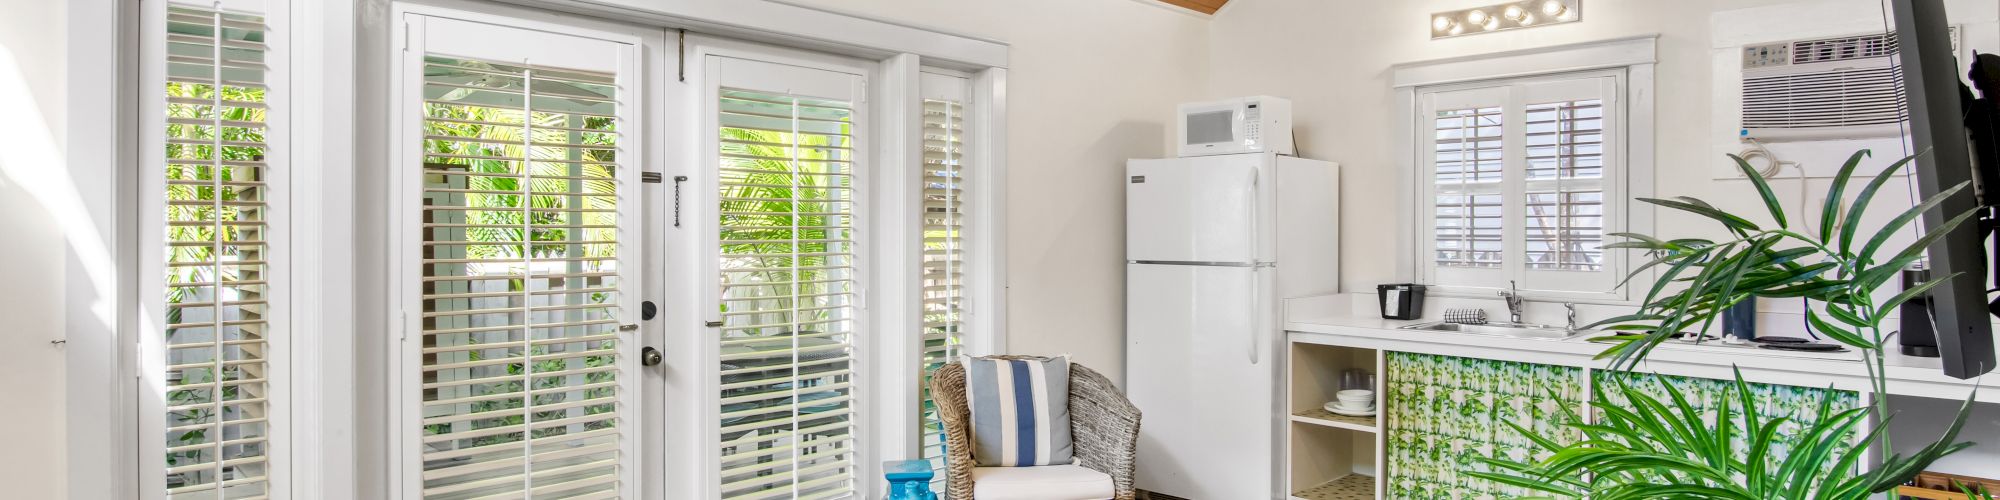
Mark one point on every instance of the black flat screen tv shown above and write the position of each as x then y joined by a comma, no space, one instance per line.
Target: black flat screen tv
1939,113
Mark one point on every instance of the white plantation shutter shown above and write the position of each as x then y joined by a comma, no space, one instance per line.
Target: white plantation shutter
1565,188
1468,177
787,299
215,354
944,246
522,380
1524,185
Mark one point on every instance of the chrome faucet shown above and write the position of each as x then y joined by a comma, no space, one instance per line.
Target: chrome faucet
1513,296
1571,309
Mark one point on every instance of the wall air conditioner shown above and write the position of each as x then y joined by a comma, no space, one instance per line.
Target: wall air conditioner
1821,89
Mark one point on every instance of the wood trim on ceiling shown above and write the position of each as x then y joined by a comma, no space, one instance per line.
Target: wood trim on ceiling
1202,6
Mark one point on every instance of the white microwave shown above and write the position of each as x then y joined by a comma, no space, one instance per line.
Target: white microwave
1254,124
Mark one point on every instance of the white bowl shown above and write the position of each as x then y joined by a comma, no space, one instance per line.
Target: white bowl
1356,395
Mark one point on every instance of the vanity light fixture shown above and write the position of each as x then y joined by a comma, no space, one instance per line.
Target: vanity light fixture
1510,16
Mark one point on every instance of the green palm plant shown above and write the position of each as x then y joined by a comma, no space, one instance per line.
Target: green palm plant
1649,447
1663,447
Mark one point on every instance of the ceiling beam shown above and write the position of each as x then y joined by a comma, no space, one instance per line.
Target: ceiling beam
1202,6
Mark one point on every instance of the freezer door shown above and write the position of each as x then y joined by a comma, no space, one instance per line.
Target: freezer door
1190,336
1193,209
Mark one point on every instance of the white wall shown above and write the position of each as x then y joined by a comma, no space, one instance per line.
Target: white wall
1090,83
32,93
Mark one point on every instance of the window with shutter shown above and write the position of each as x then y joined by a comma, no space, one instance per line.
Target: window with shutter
216,345
944,255
521,376
1523,184
788,288
944,291
1468,159
1565,203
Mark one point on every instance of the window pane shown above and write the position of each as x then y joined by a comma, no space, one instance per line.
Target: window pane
787,295
520,280
1565,198
1468,173
217,274
944,257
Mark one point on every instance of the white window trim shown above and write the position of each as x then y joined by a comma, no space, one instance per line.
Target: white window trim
1635,57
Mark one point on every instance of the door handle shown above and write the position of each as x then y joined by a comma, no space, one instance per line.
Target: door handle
1256,312
650,356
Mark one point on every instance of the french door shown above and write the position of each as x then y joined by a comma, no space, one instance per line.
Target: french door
528,366
784,325
518,260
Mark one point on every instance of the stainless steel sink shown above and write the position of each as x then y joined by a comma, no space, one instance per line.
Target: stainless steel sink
1521,330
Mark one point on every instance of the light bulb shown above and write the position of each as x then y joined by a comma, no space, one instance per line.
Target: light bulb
1554,8
1514,13
1442,23
1477,17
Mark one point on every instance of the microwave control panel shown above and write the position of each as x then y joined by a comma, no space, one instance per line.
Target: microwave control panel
1251,119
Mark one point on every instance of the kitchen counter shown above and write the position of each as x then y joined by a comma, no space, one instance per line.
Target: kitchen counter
1328,321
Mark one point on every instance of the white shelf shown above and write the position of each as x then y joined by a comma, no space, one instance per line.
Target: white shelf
1352,487
1321,417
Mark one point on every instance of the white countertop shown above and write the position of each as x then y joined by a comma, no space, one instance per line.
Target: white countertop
1328,320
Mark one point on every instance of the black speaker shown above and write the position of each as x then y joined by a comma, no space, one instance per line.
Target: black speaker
1918,338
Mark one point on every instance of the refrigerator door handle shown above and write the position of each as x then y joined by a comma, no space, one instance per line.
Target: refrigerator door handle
1256,290
1256,312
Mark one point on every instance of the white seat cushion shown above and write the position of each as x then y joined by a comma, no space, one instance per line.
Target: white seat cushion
1047,482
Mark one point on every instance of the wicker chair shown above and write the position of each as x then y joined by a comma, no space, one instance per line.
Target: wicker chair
1103,425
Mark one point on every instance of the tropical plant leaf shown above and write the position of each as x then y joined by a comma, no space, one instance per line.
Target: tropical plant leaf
1888,230
1829,213
1763,190
1917,247
1861,201
1906,295
1734,223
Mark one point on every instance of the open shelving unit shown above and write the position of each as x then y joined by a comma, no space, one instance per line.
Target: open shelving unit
1330,456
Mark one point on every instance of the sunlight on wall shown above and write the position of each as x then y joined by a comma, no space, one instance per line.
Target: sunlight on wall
30,161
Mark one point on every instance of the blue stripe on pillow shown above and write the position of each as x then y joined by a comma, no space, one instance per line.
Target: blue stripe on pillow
1024,410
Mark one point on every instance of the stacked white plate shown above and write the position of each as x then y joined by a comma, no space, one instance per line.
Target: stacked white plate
1353,403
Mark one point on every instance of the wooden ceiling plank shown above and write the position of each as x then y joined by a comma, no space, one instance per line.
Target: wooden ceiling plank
1202,6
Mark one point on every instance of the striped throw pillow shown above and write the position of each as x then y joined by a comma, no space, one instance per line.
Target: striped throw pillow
1020,411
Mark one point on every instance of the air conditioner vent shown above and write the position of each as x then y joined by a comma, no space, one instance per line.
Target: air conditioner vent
1838,98
1844,48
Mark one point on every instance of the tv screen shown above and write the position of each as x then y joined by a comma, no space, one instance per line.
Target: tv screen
1938,120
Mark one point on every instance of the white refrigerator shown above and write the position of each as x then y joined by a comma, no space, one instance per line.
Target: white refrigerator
1212,244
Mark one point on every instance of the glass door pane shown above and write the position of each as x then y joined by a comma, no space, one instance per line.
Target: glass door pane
523,377
787,277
